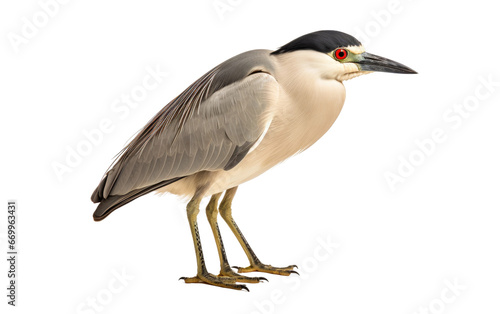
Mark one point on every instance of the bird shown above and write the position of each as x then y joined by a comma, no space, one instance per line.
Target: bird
238,120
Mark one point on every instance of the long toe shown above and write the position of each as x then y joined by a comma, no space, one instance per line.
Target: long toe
240,278
219,281
283,271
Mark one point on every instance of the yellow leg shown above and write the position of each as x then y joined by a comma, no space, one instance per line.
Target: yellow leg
203,276
255,263
225,269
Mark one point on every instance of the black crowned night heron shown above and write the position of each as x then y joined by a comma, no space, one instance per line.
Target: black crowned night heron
238,120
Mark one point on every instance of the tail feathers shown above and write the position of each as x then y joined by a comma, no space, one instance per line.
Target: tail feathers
98,195
102,191
108,205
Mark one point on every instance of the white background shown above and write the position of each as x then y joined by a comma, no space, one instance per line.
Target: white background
398,251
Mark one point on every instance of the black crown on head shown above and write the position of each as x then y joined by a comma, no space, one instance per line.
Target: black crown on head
321,41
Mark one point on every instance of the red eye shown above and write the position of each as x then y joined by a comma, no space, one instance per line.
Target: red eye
340,54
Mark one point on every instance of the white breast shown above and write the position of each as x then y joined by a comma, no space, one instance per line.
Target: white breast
310,101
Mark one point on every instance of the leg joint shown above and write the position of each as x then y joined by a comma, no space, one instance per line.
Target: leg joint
225,211
193,208
212,207
212,211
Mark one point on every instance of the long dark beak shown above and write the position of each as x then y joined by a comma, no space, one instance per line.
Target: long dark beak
370,62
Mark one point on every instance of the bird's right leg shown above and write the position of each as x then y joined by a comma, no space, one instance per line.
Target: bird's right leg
225,269
255,263
203,276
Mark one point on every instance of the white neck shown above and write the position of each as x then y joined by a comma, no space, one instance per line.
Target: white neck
310,99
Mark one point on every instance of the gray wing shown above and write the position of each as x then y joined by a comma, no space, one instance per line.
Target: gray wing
212,125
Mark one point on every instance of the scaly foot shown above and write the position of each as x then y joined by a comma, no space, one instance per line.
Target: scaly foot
283,271
220,281
228,272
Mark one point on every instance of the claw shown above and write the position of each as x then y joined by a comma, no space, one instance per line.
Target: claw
294,272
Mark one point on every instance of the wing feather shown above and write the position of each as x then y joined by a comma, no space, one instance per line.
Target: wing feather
210,126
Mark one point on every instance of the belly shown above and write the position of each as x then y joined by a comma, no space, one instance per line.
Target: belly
295,127
292,131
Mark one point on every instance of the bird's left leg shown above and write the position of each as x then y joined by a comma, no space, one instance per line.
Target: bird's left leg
203,276
225,269
255,263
